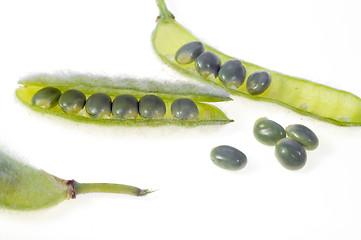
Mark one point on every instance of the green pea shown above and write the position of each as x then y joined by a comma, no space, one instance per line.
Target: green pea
258,82
300,95
99,105
302,134
184,109
268,132
189,52
151,106
72,101
125,106
208,63
23,187
47,97
232,73
228,157
290,154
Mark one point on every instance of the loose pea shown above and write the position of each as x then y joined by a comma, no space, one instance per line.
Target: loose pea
125,106
258,82
47,97
98,105
232,73
189,52
72,101
23,187
184,109
208,63
302,134
151,106
290,154
268,132
228,157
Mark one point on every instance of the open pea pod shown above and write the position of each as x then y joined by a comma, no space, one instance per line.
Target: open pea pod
113,87
303,96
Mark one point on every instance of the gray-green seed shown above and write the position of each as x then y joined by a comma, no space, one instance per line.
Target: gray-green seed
99,105
151,106
72,101
47,97
189,52
268,132
302,134
208,63
232,73
290,154
184,109
125,107
228,157
258,82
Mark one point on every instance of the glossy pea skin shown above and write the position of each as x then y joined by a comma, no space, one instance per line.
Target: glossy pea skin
189,52
72,101
125,106
228,157
232,73
208,63
99,105
258,82
152,107
302,134
47,97
184,109
268,132
290,154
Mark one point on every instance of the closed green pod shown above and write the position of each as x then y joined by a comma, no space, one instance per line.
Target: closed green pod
23,187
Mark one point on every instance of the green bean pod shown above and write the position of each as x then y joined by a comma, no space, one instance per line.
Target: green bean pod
23,187
303,96
91,84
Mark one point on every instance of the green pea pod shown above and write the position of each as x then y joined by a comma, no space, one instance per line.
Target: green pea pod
303,96
23,187
90,84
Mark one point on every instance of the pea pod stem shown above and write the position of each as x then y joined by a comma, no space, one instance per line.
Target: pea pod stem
164,13
82,188
23,187
75,188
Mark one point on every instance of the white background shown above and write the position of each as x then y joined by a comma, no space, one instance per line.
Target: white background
313,39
